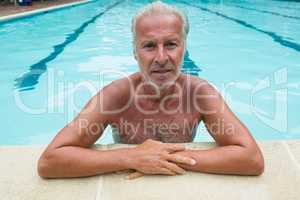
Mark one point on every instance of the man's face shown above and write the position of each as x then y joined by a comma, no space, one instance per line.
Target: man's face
159,48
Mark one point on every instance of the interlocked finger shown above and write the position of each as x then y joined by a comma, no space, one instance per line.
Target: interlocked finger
173,167
180,159
134,175
174,147
166,171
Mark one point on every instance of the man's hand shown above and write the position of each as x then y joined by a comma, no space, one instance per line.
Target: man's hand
154,157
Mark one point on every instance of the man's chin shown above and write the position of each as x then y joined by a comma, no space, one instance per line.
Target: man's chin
163,83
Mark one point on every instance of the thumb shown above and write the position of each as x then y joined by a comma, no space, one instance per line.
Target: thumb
134,175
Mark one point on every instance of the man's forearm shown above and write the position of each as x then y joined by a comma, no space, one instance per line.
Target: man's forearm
72,161
230,159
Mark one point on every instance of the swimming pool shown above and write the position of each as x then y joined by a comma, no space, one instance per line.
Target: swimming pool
50,63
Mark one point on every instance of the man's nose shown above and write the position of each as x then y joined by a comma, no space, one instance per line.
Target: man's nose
161,56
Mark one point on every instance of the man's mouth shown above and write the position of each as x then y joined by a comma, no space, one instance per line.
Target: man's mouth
161,71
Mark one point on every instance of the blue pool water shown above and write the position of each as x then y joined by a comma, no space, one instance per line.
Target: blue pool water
50,63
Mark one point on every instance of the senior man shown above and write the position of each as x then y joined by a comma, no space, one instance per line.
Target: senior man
155,108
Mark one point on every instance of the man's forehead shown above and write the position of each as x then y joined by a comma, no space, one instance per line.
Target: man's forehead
159,23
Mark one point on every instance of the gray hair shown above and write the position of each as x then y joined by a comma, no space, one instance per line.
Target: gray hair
159,7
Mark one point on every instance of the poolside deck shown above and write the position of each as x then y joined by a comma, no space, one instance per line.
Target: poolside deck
280,180
10,9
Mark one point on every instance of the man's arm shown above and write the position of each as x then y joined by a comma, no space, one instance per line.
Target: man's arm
70,155
237,151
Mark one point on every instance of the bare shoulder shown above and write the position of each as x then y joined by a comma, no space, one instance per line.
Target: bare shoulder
204,97
198,85
117,88
121,88
118,93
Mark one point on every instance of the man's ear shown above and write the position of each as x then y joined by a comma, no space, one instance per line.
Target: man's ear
185,46
134,54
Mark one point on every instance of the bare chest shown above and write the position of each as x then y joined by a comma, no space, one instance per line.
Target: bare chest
136,128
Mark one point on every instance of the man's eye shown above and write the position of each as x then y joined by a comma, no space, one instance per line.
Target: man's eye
171,45
149,46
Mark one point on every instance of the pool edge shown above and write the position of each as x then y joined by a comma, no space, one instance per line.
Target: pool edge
21,181
41,10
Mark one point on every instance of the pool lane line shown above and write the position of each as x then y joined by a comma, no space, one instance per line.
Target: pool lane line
189,66
289,8
264,11
28,80
276,38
